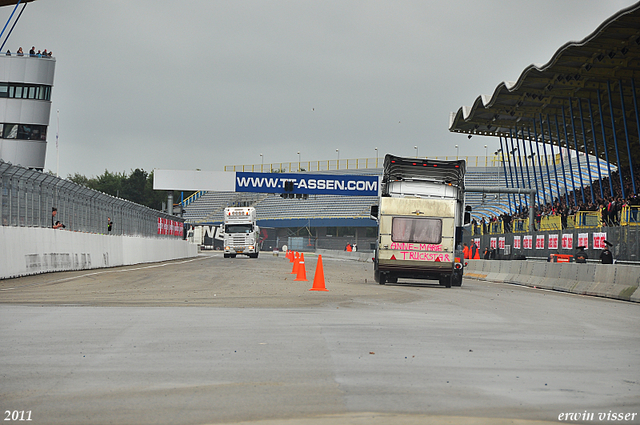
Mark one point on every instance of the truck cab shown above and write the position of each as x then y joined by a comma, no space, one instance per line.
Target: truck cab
241,233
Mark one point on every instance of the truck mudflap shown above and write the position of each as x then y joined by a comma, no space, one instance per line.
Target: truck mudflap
446,273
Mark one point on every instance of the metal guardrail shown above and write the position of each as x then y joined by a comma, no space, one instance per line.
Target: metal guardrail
28,196
629,216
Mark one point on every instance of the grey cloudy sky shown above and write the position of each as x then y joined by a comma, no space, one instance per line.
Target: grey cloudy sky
203,84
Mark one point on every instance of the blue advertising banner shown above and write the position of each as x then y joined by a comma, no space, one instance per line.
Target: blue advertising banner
311,184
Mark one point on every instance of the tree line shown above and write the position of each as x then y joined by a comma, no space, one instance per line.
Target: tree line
137,186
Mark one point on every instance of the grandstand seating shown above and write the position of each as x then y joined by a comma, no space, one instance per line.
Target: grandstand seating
209,207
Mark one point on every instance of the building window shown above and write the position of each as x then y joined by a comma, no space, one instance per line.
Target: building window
25,91
416,230
24,131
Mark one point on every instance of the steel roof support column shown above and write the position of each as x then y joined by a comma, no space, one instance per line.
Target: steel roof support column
595,148
564,175
586,149
575,143
626,134
533,163
615,138
546,159
517,148
544,194
566,140
635,106
511,171
604,140
523,150
504,167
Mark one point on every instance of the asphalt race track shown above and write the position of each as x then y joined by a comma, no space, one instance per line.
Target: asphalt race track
212,340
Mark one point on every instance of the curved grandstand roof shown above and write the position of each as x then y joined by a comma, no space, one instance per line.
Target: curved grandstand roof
608,60
13,2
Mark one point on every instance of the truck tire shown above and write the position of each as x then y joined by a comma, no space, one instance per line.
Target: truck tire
381,278
393,279
253,255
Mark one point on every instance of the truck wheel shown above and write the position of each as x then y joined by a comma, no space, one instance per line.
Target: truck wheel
393,279
445,280
226,255
232,255
382,278
456,279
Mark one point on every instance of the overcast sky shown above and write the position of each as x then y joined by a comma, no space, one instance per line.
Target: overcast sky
201,84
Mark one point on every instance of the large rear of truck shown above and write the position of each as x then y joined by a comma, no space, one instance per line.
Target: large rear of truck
420,217
241,233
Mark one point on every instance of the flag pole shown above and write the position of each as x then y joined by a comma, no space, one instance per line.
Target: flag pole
57,150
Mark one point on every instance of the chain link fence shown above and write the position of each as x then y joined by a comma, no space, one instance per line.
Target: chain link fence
28,197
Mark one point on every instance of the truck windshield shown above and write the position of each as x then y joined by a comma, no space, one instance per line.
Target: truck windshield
238,228
416,230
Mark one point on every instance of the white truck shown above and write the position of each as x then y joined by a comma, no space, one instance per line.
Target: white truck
241,233
420,217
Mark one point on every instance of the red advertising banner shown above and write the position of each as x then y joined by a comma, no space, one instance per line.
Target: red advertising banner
539,241
501,240
553,241
494,242
583,240
169,227
598,240
567,241
528,242
516,242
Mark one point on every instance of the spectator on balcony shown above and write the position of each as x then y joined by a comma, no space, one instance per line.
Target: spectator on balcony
109,224
32,52
20,52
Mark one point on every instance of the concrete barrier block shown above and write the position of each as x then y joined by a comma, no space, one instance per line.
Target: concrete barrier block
526,273
586,278
627,275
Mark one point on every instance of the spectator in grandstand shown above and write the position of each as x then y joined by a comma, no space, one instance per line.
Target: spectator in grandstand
20,52
8,52
32,52
109,224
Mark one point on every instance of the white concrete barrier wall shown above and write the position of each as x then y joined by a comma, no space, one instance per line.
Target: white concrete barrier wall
604,280
32,250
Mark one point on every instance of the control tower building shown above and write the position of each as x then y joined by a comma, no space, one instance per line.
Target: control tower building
25,99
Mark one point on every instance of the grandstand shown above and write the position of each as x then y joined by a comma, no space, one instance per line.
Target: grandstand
289,217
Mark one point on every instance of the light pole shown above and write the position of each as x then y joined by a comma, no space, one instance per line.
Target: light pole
261,163
376,157
338,162
416,148
298,161
457,151
486,157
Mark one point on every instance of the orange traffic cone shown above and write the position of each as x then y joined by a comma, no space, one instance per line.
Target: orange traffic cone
294,270
288,255
301,272
318,278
